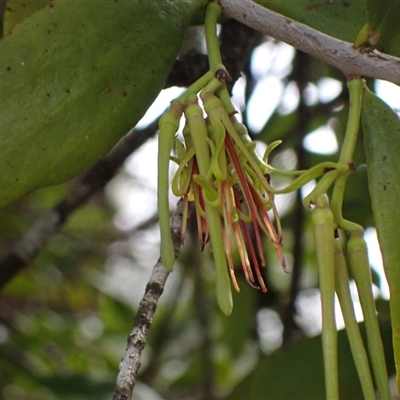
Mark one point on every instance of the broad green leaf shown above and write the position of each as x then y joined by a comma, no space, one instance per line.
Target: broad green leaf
75,78
2,11
390,35
377,11
16,11
381,127
384,19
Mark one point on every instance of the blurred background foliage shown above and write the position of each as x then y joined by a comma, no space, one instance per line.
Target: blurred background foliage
65,319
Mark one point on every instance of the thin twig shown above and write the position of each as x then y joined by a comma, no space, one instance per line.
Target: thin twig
164,334
338,53
25,249
131,361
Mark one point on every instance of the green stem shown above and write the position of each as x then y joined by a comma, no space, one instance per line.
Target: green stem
213,12
360,269
195,87
223,94
353,332
356,89
307,176
321,188
324,243
168,125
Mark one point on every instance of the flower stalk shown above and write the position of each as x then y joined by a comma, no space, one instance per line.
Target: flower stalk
220,172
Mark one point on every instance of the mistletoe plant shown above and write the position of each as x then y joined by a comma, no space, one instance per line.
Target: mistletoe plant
73,84
221,173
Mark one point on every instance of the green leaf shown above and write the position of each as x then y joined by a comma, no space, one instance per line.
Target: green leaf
377,11
384,19
381,127
16,11
75,79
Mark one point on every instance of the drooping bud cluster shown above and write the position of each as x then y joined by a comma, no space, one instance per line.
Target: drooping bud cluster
220,171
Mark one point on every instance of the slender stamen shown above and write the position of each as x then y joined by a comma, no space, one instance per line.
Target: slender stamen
247,195
276,239
251,249
248,273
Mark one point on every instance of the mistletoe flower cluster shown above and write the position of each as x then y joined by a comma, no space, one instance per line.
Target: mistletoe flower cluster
220,172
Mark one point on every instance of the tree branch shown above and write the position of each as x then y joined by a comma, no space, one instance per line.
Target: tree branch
338,53
131,362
